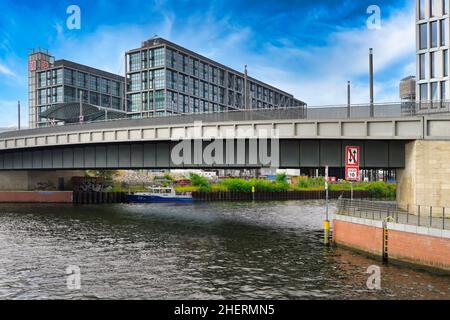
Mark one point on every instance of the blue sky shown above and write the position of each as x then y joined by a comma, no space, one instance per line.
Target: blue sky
308,48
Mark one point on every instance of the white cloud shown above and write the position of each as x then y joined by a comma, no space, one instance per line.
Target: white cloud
4,70
9,114
345,57
315,74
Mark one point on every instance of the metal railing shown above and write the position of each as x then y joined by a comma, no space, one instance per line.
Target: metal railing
422,216
356,111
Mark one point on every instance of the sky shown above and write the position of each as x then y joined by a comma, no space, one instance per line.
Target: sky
307,48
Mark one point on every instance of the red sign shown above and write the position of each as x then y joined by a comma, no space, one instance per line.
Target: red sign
352,154
44,65
352,174
32,65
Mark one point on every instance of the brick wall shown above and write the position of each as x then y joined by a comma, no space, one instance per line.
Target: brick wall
358,236
37,196
420,249
412,247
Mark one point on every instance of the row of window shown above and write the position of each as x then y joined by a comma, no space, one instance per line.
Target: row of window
71,94
181,103
432,62
146,59
431,39
91,82
193,86
435,8
50,78
433,91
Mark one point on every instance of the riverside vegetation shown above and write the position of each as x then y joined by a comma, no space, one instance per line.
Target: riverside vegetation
378,189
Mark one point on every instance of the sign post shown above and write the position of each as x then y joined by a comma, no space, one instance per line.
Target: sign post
352,154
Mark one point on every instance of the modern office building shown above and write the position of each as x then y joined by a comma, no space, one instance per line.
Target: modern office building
164,78
55,86
432,45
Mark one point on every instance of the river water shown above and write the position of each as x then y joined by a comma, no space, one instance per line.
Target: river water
269,250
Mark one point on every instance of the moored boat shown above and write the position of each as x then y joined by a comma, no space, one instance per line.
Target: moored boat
162,194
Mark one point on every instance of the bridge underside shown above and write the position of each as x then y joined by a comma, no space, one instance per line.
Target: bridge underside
157,155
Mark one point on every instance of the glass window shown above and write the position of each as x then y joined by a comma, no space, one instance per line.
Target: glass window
69,94
135,63
159,78
444,7
421,9
42,79
59,76
443,90
106,100
432,65
433,36
135,82
443,25
135,102
159,99
433,8
445,63
104,85
423,36
158,57
434,91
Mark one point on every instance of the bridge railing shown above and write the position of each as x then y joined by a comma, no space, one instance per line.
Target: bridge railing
419,215
337,112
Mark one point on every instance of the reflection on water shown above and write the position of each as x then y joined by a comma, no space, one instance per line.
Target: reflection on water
198,251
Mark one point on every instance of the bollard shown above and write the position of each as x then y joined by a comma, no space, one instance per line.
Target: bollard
326,232
385,241
253,193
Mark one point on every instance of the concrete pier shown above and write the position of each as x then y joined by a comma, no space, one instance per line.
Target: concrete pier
425,180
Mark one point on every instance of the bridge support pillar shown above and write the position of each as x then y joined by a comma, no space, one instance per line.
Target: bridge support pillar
425,180
31,180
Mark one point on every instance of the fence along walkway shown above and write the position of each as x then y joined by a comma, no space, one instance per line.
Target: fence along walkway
426,216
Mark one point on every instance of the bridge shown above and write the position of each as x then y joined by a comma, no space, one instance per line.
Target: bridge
297,138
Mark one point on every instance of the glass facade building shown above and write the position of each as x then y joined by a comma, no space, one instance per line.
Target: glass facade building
164,78
54,82
432,44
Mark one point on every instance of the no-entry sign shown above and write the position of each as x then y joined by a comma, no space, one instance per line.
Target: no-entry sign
352,163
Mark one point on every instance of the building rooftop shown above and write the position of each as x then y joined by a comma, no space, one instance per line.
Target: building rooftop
82,67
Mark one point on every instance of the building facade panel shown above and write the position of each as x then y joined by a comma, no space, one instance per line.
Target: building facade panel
432,50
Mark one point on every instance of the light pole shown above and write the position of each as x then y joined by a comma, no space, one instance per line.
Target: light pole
371,82
348,99
18,115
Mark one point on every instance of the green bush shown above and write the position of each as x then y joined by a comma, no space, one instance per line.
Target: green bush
381,189
201,182
306,183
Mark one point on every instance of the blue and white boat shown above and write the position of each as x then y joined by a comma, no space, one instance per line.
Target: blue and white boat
159,195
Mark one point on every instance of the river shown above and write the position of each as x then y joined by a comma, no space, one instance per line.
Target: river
242,250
